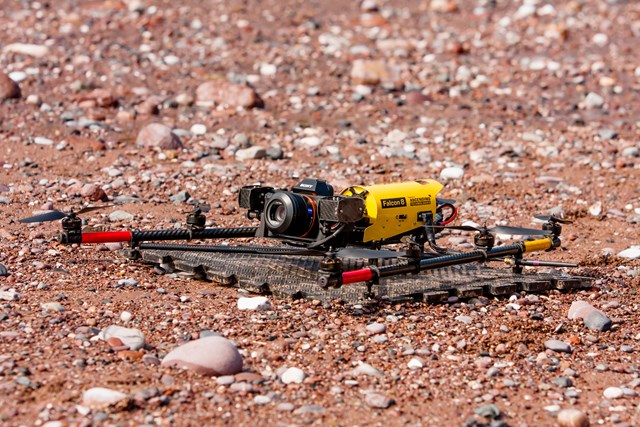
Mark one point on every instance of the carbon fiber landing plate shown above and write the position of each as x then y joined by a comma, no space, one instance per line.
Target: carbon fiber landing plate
289,276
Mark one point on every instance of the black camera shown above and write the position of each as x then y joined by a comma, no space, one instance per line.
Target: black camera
308,212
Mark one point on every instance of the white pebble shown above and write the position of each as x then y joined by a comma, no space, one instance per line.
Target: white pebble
198,129
613,393
452,173
293,375
125,316
256,303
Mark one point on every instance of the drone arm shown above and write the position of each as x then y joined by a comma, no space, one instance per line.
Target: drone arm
372,273
156,235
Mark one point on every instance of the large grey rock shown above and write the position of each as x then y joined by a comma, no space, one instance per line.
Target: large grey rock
591,316
158,136
631,253
208,356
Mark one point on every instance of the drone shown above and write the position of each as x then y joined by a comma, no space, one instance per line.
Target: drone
361,221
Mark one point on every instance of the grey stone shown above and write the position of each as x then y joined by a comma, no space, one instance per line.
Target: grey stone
310,409
558,346
207,356
378,400
607,134
158,136
572,418
180,197
376,328
251,153
292,375
467,320
120,216
563,382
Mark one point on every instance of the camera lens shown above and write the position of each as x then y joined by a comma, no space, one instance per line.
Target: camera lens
290,214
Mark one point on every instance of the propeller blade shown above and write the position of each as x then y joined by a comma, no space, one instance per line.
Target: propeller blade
92,208
462,227
49,216
367,253
552,218
519,231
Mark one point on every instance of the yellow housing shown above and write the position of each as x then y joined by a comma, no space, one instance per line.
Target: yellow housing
393,209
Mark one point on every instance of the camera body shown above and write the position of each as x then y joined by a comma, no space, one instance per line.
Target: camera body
311,215
308,213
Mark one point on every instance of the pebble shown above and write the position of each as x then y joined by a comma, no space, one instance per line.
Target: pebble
251,153
18,76
293,375
591,316
310,409
35,50
9,296
52,306
613,393
125,316
198,129
373,72
631,253
558,346
120,216
607,134
467,320
452,173
39,140
157,136
254,303
376,328
132,338
4,272
572,418
212,355
378,400
366,369
489,411
220,91
415,363
9,89
593,100
100,396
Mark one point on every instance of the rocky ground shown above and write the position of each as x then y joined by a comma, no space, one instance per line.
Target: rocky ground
518,107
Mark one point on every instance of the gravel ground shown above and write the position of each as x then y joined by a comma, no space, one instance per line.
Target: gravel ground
518,107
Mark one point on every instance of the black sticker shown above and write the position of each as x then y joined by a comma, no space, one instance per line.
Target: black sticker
398,202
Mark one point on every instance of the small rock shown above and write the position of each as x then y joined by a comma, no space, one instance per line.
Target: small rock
222,92
607,134
9,296
613,393
100,396
8,88
467,320
366,369
631,253
255,303
52,306
593,100
415,363
373,72
374,399
208,356
452,173
120,216
158,137
591,316
572,418
132,338
180,197
251,153
293,375
125,316
34,50
376,328
558,346
3,271
198,129
310,409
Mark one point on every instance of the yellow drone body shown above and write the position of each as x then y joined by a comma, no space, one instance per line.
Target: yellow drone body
393,210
